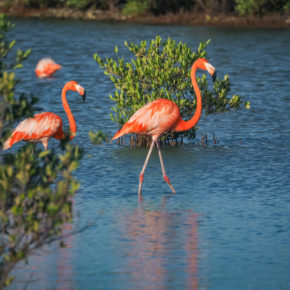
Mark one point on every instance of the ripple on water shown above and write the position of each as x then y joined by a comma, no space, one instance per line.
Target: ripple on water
228,225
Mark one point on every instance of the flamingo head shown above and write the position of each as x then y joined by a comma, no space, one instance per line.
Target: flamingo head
74,86
57,67
81,91
202,63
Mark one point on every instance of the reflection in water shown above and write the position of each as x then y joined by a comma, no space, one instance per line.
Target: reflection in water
49,268
191,243
64,259
242,190
159,242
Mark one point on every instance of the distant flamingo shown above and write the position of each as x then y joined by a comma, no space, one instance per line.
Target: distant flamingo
45,125
161,116
46,67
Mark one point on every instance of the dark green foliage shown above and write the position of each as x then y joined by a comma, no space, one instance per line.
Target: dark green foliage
36,186
157,7
20,4
162,70
79,4
85,4
261,7
135,7
172,6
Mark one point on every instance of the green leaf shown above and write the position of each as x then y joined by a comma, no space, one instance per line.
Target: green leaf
44,153
247,105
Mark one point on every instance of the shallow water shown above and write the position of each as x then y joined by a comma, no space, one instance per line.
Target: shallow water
228,226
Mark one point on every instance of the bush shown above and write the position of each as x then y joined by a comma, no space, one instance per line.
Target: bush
260,7
98,137
80,4
162,70
135,7
35,186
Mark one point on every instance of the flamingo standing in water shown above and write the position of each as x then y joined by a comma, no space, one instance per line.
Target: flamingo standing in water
161,116
46,67
45,125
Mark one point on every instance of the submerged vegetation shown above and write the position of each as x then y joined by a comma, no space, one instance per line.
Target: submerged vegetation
98,137
36,186
161,69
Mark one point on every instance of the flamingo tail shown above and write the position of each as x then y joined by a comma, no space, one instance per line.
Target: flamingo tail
123,131
16,137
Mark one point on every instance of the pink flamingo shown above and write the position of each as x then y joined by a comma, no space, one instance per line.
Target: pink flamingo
161,116
46,67
42,126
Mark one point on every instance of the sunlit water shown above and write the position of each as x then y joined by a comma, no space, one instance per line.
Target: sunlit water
228,226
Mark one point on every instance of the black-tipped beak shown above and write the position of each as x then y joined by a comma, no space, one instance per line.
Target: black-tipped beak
84,96
214,76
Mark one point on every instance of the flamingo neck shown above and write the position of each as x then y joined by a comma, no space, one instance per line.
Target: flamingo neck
186,125
72,122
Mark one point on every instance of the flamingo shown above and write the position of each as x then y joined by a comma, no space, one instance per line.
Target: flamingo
161,116
46,67
44,125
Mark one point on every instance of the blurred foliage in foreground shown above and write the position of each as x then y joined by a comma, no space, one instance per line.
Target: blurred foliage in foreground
161,69
157,7
36,186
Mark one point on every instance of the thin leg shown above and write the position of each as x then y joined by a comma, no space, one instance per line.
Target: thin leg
141,177
45,144
165,177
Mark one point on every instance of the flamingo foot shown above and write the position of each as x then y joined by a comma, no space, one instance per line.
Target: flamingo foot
169,183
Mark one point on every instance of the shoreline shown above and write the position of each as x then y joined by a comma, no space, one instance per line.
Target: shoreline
185,18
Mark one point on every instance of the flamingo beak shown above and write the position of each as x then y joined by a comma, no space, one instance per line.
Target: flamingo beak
214,76
84,95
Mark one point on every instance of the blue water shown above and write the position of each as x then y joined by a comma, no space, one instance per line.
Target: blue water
228,226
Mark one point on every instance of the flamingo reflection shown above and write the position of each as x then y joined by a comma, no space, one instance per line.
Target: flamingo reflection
162,247
64,259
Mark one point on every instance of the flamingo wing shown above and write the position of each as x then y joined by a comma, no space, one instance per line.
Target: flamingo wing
41,126
153,119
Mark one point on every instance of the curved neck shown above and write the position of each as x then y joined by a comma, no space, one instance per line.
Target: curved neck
72,123
186,125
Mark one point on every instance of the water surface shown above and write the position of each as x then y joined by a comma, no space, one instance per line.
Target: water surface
228,226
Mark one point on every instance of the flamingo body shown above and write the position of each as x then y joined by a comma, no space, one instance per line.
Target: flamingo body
37,129
46,67
41,127
161,116
154,119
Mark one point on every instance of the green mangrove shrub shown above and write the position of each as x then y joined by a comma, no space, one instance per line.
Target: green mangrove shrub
161,69
36,186
135,7
261,7
98,137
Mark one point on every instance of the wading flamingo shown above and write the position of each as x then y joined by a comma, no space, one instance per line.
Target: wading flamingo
161,116
46,67
42,126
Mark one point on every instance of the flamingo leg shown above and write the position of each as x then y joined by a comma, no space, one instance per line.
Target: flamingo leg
45,145
141,177
165,177
44,142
